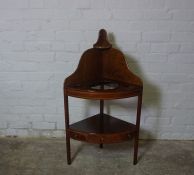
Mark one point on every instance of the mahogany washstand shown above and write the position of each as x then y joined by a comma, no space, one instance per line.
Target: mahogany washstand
102,74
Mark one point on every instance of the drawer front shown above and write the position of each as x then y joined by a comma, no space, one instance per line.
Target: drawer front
99,138
107,138
77,136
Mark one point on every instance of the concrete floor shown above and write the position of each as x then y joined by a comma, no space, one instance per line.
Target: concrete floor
48,157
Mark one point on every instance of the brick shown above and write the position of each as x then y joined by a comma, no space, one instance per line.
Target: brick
11,85
177,26
185,15
19,125
13,35
54,118
45,133
127,15
69,36
11,14
135,4
55,25
182,37
58,46
116,25
72,47
90,35
10,132
190,129
8,46
30,56
185,104
84,4
153,4
51,4
5,25
59,119
175,87
122,4
97,4
17,46
37,14
156,15
66,14
128,36
156,36
187,48
142,26
35,86
165,48
179,4
179,120
41,35
58,134
128,47
30,25
174,78
159,58
86,24
143,47
22,133
64,56
22,67
36,3
97,14
55,67
30,101
13,4
60,125
33,109
43,125
3,125
26,76
154,121
181,58
67,4
38,46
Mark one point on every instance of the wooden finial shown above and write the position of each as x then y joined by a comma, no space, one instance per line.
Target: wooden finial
102,42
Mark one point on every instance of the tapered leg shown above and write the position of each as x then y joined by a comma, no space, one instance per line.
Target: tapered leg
101,118
68,149
136,143
136,137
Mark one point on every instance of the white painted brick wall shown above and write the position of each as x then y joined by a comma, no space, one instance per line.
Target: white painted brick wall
41,42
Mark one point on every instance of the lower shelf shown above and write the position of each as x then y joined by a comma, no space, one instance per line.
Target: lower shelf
101,129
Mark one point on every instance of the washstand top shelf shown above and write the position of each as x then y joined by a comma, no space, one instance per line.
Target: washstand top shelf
103,73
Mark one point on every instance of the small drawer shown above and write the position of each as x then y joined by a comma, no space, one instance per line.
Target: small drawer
107,139
77,136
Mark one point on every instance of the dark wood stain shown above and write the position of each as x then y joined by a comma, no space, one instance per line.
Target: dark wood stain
102,74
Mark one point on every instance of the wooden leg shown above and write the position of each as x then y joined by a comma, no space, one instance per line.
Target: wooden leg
68,149
136,141
136,138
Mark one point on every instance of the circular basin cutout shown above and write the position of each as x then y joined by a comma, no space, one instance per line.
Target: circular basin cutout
104,86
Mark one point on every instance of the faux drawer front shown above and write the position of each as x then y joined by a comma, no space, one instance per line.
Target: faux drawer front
77,136
109,138
100,138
